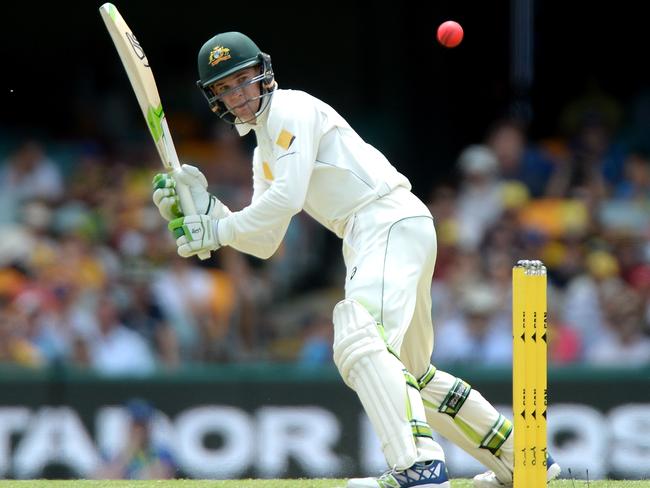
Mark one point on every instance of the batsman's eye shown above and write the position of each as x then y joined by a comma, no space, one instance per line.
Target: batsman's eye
218,90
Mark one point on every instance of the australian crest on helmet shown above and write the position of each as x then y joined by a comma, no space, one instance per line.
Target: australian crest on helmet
218,54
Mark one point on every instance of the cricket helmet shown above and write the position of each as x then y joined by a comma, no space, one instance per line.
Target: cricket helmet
226,54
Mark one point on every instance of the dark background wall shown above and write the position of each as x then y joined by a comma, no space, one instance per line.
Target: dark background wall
377,63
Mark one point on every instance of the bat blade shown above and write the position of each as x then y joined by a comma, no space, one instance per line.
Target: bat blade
137,68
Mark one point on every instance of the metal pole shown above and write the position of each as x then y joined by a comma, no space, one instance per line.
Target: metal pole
521,57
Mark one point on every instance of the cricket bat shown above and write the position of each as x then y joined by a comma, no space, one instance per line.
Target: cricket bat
144,85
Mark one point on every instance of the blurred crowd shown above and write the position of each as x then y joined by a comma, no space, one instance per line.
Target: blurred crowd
89,275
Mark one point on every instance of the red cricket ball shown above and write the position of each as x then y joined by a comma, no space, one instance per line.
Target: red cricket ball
450,33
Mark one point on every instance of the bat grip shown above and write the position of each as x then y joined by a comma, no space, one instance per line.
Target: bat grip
189,209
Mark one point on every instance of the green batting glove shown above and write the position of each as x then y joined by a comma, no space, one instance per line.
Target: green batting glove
165,196
194,234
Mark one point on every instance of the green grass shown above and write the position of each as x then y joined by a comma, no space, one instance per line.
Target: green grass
300,483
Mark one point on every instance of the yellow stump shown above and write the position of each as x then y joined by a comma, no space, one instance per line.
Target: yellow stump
541,326
518,375
529,317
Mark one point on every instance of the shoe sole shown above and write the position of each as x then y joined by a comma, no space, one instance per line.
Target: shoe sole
553,471
445,484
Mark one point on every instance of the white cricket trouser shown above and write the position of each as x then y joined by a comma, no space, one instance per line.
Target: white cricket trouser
390,251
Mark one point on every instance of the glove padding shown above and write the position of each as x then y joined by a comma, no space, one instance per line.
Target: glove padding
195,234
166,198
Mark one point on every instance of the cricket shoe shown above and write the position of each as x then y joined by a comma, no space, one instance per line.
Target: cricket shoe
421,475
490,480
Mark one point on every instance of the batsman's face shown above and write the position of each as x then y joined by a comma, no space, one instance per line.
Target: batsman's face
240,95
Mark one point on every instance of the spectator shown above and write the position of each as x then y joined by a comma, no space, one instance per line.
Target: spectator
479,199
636,185
583,307
184,292
626,345
28,174
143,457
595,164
317,342
517,159
117,350
143,315
479,334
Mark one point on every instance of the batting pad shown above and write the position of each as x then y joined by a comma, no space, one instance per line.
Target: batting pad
461,414
382,384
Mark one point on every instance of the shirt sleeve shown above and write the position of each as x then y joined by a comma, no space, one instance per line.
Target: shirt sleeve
264,244
293,131
260,185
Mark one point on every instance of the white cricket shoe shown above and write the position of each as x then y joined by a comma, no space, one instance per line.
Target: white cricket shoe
421,475
490,480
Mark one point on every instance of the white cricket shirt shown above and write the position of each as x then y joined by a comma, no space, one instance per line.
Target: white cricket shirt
307,158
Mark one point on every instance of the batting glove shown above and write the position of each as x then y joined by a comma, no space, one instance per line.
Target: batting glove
194,234
166,198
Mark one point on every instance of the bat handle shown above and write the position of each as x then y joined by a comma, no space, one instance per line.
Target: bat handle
189,209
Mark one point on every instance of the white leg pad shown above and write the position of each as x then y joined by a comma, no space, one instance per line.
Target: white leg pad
379,380
462,415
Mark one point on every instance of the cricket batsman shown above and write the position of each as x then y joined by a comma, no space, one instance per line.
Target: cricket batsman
308,158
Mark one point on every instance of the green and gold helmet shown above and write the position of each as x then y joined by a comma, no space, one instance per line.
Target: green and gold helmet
226,54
